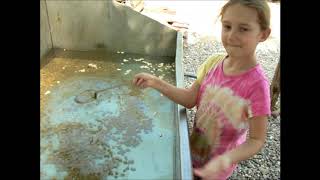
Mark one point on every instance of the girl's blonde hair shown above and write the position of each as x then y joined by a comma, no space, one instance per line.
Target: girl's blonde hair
261,6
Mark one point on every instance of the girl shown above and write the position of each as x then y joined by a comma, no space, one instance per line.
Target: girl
231,93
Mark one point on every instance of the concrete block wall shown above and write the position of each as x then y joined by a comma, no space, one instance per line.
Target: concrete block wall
92,24
45,36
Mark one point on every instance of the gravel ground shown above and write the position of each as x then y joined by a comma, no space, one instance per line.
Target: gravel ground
266,164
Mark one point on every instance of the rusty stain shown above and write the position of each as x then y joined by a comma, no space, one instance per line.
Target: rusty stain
58,18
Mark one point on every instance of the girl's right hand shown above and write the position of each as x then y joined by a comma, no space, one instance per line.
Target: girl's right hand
144,80
213,168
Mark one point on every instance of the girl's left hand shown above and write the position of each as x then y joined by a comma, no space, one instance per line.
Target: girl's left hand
213,167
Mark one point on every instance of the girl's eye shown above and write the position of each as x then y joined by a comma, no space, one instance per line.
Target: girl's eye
243,29
226,27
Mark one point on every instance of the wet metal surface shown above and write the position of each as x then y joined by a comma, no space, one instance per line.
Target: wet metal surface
125,133
90,95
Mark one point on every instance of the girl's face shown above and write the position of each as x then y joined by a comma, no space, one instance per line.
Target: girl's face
241,31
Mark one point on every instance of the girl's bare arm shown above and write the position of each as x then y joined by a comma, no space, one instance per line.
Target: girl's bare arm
184,97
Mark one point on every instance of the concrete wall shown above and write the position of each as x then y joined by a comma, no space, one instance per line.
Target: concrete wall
91,24
45,37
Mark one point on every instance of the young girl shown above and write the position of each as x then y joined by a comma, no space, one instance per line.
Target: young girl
231,93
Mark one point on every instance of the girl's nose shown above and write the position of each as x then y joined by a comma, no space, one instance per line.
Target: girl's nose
232,36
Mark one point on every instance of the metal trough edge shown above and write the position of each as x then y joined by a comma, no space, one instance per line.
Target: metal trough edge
184,153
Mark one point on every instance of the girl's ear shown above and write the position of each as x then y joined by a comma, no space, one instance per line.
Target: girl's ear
265,34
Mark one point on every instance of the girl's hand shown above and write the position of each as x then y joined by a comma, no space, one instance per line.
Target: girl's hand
144,80
212,169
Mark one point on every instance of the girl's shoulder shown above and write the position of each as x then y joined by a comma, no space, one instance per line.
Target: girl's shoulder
257,74
210,63
213,60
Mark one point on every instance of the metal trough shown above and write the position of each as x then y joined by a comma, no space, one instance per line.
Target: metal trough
119,131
